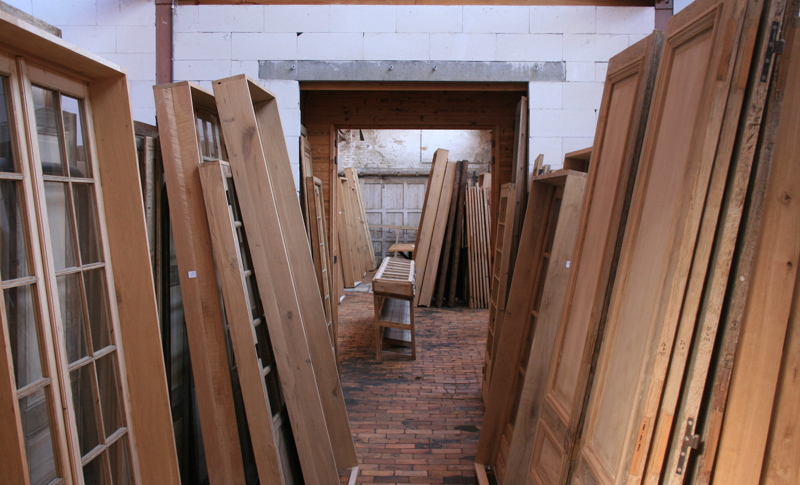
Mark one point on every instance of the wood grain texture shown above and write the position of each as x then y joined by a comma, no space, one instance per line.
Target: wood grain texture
427,222
318,237
767,312
669,222
228,261
431,269
175,105
447,249
273,165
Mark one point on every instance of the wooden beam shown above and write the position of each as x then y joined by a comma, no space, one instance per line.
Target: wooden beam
262,171
591,3
175,105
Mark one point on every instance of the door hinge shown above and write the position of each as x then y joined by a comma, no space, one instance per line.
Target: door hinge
690,440
774,47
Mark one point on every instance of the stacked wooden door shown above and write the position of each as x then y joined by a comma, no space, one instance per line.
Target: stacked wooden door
664,261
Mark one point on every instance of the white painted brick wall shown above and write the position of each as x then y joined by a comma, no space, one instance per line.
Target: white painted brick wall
593,47
496,20
463,47
563,123
259,46
396,47
625,20
582,96
296,18
202,46
429,18
363,18
581,71
546,95
221,18
529,47
330,47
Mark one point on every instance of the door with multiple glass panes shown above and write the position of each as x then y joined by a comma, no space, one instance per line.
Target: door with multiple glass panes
59,326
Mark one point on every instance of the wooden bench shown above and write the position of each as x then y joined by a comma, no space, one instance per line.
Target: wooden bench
394,288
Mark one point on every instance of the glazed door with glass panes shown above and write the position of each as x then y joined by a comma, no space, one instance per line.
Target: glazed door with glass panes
57,318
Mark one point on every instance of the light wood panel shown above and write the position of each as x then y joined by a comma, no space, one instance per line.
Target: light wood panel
680,165
362,225
238,309
500,278
175,106
749,421
427,221
431,269
318,236
447,249
347,248
262,172
459,235
545,446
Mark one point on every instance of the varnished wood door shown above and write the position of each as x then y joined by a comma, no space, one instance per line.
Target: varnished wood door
685,154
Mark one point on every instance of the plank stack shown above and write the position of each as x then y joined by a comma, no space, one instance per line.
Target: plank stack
358,255
478,240
652,334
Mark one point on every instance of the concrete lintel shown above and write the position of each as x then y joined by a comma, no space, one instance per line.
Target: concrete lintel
450,71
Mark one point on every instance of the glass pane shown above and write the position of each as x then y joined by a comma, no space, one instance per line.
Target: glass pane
83,399
22,325
33,410
96,471
44,103
6,152
97,304
86,220
13,240
69,296
73,131
120,462
61,234
110,402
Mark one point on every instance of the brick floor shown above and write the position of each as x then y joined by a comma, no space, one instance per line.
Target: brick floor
414,422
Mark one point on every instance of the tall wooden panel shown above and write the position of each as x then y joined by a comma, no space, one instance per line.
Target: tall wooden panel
427,220
684,159
177,106
536,293
500,281
431,269
544,446
262,172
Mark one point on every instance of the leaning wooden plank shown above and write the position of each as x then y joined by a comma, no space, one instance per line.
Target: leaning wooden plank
546,329
354,224
702,308
427,221
547,449
519,177
447,249
499,277
306,171
352,177
176,105
319,253
437,237
683,143
228,261
458,236
498,399
350,279
244,103
768,307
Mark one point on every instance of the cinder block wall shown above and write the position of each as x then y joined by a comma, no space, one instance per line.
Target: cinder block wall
122,31
217,41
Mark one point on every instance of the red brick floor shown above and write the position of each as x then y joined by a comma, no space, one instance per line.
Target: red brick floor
414,422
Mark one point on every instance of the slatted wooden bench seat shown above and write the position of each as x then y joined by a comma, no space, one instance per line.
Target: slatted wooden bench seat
394,288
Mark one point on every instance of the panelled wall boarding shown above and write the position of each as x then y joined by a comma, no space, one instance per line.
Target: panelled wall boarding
66,413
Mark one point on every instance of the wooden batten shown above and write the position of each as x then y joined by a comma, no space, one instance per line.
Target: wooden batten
262,172
176,105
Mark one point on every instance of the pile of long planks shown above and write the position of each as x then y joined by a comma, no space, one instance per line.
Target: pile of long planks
358,255
478,241
247,225
673,356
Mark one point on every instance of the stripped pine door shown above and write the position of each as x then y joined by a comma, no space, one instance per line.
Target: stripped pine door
319,252
545,449
428,218
274,449
262,173
684,157
506,218
346,246
529,294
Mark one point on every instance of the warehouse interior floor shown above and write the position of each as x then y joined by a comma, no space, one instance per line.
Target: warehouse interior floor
414,422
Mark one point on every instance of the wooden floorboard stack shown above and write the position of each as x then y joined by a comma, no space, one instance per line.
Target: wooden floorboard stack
447,277
478,236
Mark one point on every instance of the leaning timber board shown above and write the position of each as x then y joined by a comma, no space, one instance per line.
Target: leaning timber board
238,304
262,172
431,268
318,237
349,275
176,106
545,446
758,431
363,233
428,217
499,281
676,173
447,249
529,274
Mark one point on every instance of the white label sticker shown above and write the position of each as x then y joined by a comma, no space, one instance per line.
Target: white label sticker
567,264
192,274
